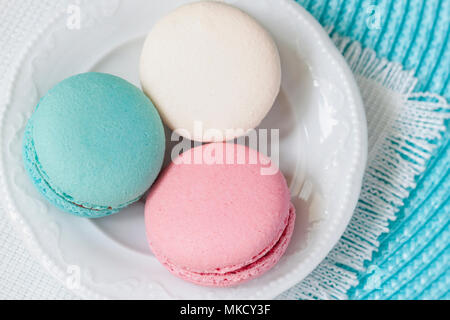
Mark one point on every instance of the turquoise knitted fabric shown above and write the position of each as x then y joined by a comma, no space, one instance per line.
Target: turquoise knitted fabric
412,261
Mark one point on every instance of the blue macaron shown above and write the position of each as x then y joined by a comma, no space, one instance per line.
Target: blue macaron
94,144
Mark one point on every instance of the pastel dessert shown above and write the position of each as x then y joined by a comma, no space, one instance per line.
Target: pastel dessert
219,223
208,65
94,144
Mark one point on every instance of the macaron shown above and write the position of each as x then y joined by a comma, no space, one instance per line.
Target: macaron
219,221
94,144
210,66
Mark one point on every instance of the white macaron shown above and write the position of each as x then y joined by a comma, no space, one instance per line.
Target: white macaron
212,71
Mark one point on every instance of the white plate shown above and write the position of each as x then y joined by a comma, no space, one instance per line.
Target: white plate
322,152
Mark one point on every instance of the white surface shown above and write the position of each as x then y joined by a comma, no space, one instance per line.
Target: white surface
223,66
322,132
21,276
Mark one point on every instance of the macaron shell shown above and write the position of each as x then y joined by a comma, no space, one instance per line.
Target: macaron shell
45,189
98,139
210,63
216,218
251,271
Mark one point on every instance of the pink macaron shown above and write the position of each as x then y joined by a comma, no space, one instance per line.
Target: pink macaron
217,217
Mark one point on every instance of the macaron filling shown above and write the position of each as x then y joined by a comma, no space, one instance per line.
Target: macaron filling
56,196
232,275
